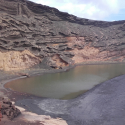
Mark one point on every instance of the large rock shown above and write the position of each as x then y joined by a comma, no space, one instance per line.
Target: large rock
8,109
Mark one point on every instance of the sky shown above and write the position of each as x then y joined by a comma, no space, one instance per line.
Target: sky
107,10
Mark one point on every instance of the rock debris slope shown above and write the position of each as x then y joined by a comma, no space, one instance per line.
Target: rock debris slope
44,34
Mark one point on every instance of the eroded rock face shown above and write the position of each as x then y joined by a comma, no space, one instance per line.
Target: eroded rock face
49,33
15,60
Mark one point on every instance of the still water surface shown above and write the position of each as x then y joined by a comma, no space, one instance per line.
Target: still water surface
67,85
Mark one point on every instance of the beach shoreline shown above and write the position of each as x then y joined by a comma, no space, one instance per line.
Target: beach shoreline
19,97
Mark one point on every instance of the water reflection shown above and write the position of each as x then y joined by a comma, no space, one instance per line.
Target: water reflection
69,84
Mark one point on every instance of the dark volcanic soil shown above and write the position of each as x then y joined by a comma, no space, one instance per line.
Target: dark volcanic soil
104,104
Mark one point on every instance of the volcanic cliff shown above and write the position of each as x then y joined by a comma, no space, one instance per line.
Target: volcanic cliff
33,34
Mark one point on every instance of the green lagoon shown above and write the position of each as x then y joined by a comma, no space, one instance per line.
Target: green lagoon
67,85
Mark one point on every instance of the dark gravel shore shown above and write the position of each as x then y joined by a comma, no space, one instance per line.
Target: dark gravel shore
102,105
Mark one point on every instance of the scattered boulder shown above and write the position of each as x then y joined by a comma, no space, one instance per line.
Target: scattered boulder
8,109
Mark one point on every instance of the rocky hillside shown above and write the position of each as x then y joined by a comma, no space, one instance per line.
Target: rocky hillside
33,34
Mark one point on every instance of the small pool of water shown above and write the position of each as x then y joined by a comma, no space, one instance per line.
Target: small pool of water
67,85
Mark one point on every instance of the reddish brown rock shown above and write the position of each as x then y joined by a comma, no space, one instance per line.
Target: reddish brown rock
9,110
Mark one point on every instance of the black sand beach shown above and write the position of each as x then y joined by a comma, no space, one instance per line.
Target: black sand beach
103,104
